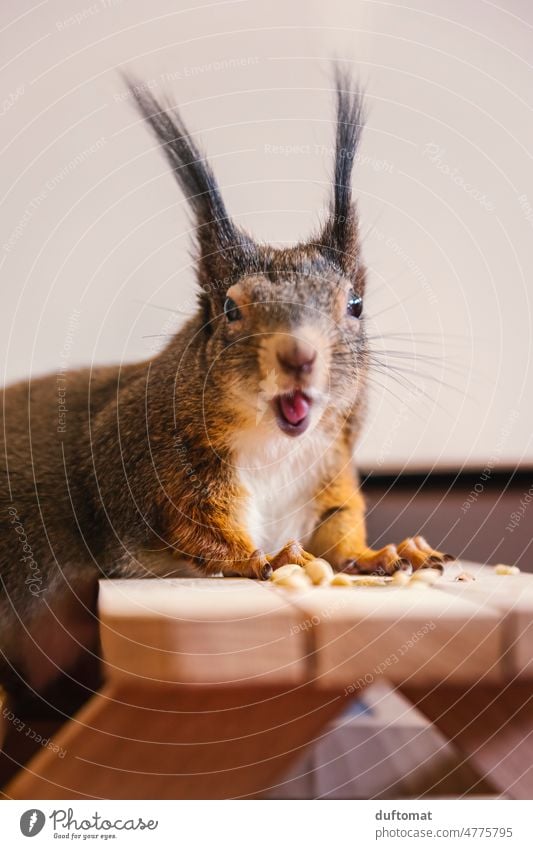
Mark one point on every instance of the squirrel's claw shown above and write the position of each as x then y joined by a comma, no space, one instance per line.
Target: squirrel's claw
292,552
421,555
384,561
409,555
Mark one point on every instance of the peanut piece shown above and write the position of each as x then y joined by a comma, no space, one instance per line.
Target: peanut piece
294,581
341,579
400,578
503,569
319,571
283,571
425,576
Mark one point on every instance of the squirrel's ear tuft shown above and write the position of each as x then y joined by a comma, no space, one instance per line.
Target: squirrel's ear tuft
339,236
224,249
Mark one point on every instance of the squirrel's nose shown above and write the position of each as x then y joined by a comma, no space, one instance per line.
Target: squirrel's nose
296,357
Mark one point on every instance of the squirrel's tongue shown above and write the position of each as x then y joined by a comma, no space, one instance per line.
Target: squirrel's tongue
294,407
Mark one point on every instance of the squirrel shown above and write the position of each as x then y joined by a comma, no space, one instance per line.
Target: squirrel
230,449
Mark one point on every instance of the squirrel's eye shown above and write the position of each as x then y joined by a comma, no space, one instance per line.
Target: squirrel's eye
355,305
231,310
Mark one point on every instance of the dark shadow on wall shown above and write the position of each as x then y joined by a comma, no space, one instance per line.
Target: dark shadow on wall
486,518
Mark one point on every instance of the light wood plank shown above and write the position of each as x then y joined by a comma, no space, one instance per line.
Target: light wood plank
511,596
404,634
217,631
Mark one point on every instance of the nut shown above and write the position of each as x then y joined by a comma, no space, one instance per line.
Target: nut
283,571
503,569
425,576
319,571
400,578
341,579
294,581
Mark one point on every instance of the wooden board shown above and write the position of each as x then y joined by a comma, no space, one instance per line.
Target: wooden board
511,597
235,631
178,743
403,634
216,685
215,631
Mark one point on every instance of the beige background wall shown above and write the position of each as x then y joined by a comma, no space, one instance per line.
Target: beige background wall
93,228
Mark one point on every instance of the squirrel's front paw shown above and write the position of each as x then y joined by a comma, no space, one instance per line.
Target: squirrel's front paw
292,552
255,566
259,566
411,554
421,555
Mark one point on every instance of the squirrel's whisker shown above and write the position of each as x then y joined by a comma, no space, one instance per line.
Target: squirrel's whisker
163,308
402,380
390,358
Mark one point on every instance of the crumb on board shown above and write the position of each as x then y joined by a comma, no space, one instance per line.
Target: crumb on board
466,577
285,571
400,578
504,569
425,576
319,571
370,581
294,581
341,579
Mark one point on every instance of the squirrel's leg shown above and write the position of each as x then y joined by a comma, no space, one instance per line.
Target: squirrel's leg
234,556
211,532
340,536
220,546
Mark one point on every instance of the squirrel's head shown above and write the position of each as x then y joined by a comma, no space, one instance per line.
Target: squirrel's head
282,328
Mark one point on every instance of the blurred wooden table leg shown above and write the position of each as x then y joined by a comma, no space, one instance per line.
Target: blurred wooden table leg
178,743
491,726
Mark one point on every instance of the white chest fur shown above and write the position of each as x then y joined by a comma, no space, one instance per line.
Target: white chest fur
281,479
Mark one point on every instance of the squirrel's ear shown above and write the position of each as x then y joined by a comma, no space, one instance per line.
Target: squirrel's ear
224,249
339,238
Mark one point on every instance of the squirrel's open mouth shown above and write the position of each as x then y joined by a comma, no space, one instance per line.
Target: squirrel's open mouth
292,411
